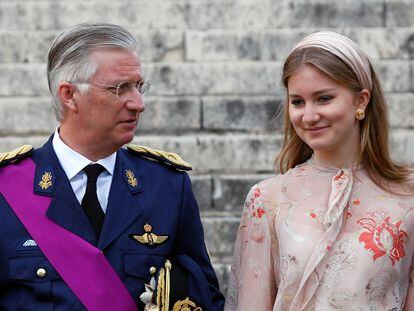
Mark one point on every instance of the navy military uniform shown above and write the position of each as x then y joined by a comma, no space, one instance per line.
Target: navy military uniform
151,216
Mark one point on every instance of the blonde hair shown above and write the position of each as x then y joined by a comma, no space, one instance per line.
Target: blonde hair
342,60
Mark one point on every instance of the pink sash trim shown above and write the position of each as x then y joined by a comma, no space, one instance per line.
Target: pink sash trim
82,266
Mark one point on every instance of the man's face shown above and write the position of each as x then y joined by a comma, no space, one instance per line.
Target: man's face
106,118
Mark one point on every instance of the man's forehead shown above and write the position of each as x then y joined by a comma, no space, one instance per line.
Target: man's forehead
117,56
116,60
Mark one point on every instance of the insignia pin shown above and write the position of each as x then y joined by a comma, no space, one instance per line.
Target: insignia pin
132,181
46,181
149,238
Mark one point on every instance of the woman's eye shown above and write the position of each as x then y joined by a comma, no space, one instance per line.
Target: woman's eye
296,102
325,98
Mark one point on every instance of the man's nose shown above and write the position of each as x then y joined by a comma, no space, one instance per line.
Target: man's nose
135,101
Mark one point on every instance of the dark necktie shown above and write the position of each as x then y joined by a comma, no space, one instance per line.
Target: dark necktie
90,202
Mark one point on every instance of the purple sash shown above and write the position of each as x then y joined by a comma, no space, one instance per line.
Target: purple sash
82,266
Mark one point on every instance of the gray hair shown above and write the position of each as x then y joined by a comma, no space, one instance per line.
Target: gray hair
69,55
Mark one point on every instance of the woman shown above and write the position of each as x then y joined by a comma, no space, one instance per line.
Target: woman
335,230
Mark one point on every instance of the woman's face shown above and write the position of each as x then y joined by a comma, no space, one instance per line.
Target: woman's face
322,112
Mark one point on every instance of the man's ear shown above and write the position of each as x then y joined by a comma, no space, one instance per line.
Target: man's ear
66,93
363,98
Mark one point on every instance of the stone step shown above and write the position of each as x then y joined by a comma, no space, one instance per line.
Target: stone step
186,114
225,153
243,14
218,78
275,44
170,45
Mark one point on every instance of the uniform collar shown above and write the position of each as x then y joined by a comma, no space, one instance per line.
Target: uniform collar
73,162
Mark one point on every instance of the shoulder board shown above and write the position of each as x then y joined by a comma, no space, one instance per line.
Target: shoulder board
15,155
169,158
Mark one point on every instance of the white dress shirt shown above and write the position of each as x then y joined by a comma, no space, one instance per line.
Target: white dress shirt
73,164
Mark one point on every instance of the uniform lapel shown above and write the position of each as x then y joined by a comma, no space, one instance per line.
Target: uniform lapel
123,202
64,208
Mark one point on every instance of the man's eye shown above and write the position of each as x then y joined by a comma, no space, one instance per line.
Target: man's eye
112,90
124,87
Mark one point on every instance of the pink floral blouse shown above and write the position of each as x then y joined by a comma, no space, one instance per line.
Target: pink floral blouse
322,238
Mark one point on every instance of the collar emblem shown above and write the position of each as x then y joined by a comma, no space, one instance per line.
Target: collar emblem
46,181
132,181
29,243
149,238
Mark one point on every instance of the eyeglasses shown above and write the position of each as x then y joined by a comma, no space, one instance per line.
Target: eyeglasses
124,89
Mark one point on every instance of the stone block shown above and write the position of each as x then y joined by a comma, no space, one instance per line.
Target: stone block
402,146
203,191
230,191
249,14
401,110
25,46
237,44
408,156
222,272
160,45
23,80
220,234
32,46
156,14
238,153
241,113
214,78
169,114
23,116
8,143
399,13
395,75
333,14
384,43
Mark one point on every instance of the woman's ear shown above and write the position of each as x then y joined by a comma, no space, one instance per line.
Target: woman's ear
363,98
66,93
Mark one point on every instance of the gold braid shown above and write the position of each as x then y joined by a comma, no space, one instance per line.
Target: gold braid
160,287
167,284
14,153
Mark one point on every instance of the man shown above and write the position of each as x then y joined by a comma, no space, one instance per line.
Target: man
85,224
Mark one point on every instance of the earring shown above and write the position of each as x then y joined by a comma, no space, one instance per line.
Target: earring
359,114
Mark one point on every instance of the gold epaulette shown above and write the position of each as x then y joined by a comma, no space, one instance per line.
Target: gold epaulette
15,155
169,158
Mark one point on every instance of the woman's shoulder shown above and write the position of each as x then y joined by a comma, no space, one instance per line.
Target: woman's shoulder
279,180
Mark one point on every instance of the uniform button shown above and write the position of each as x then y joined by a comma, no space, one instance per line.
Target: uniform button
153,270
41,272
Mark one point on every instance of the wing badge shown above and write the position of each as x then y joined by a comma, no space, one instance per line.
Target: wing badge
148,238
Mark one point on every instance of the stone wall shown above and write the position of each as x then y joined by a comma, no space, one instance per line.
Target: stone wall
215,67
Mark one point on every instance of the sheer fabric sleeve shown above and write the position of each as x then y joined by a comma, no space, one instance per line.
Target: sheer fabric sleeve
252,284
409,300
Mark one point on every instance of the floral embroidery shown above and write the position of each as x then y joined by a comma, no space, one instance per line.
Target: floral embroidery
378,285
256,205
339,265
257,232
383,237
356,202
